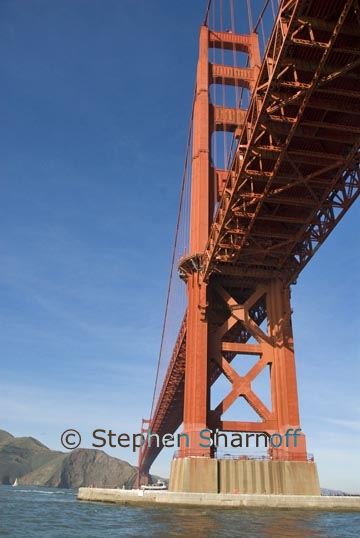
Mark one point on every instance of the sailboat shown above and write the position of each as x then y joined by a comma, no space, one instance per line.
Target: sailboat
16,483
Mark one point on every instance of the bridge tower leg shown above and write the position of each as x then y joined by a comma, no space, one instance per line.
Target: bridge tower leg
143,476
199,468
223,314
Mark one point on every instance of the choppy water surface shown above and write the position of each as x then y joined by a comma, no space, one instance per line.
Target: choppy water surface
28,512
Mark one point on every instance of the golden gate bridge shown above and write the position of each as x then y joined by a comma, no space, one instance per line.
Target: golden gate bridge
271,166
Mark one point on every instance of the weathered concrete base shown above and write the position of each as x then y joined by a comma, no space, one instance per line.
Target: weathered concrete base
194,475
164,498
273,477
207,475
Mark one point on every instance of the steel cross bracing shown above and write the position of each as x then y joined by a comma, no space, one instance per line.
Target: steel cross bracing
294,175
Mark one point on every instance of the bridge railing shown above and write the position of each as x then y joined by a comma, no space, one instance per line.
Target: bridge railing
220,455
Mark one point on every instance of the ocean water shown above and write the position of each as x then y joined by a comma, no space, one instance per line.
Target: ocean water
29,512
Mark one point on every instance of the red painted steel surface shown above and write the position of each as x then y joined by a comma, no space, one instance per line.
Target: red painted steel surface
294,175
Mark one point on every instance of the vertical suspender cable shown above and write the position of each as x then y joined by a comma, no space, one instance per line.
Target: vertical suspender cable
232,16
273,9
263,34
188,152
250,16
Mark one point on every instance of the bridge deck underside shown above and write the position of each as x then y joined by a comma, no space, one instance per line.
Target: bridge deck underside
168,413
298,169
298,172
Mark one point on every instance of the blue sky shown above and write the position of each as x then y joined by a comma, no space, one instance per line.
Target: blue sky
95,105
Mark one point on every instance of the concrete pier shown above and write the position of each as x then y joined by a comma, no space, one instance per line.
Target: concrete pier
220,500
208,475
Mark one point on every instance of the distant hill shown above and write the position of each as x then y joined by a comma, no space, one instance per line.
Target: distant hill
336,493
5,437
21,455
33,463
83,467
